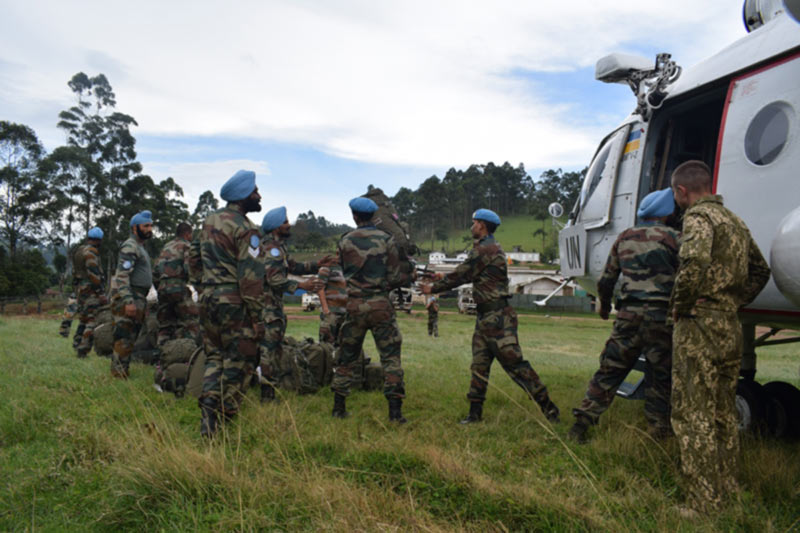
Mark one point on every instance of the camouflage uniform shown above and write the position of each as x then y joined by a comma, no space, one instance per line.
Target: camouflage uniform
89,275
721,269
433,318
232,306
130,285
646,256
371,265
336,299
66,320
177,313
496,324
278,265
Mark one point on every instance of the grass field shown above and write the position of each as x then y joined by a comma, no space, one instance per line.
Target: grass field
80,451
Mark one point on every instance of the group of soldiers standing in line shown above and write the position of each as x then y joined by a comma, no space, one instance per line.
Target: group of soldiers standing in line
677,303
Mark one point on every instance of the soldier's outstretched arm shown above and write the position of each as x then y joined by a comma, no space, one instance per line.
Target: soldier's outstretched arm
464,273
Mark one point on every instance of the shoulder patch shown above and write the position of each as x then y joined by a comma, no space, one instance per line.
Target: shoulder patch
255,241
275,252
126,265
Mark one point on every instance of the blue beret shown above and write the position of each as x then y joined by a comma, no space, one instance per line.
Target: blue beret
239,187
273,219
657,204
487,215
95,233
363,205
143,217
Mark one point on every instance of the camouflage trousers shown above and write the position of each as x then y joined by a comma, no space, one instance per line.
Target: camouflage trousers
271,348
375,315
178,317
126,331
88,308
329,326
637,330
66,319
231,345
495,336
433,324
705,370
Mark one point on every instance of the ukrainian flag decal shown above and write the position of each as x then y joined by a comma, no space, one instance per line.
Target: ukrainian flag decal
633,141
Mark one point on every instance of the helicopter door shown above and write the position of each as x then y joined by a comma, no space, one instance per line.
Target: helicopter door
759,154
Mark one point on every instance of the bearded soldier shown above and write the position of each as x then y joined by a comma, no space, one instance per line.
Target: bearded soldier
232,304
129,287
495,333
90,290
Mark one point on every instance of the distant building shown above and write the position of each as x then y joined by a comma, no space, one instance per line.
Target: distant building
524,257
543,285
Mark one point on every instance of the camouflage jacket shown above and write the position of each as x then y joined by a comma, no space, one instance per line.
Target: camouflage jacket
133,271
195,264
279,265
171,273
721,266
370,263
86,268
646,258
335,291
485,267
233,261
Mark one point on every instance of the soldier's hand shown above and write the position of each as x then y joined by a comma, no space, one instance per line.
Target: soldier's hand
130,310
327,261
438,276
311,285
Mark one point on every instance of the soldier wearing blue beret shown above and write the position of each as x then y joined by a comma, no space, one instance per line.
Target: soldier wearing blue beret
90,289
495,333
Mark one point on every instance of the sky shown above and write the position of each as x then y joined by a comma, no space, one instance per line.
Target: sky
323,98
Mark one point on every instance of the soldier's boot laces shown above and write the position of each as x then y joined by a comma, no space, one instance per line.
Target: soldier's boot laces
339,408
396,411
475,413
267,393
208,422
578,431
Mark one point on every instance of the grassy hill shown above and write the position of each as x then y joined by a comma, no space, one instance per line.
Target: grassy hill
514,231
80,451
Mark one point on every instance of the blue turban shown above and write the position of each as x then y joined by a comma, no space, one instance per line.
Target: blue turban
487,215
273,219
144,217
657,204
363,205
95,233
239,187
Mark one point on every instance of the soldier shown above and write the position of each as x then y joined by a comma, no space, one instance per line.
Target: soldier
129,287
66,318
177,312
232,304
91,293
278,265
333,300
433,316
496,325
372,267
646,256
721,269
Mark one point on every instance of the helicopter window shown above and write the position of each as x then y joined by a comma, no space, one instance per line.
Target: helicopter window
767,133
595,173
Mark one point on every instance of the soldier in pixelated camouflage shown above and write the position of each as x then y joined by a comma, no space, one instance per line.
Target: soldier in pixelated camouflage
371,265
232,303
129,287
495,333
721,269
645,259
88,273
178,315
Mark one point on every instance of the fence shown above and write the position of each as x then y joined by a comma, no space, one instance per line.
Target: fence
25,305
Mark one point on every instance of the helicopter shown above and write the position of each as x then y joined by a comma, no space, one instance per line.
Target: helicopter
739,112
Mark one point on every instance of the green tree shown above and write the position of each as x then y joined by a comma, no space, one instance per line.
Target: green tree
206,204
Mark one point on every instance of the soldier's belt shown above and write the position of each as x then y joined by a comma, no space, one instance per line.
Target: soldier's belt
494,305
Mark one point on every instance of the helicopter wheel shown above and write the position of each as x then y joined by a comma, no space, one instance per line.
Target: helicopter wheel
782,409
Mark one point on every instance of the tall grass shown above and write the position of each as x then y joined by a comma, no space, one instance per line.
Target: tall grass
80,451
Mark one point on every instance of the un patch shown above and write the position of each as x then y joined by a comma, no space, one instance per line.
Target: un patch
254,241
126,265
275,252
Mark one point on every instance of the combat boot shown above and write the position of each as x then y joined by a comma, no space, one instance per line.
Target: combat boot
267,393
339,409
550,410
208,422
475,413
579,430
396,410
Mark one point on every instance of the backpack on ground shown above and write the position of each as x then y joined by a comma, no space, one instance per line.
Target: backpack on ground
172,372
